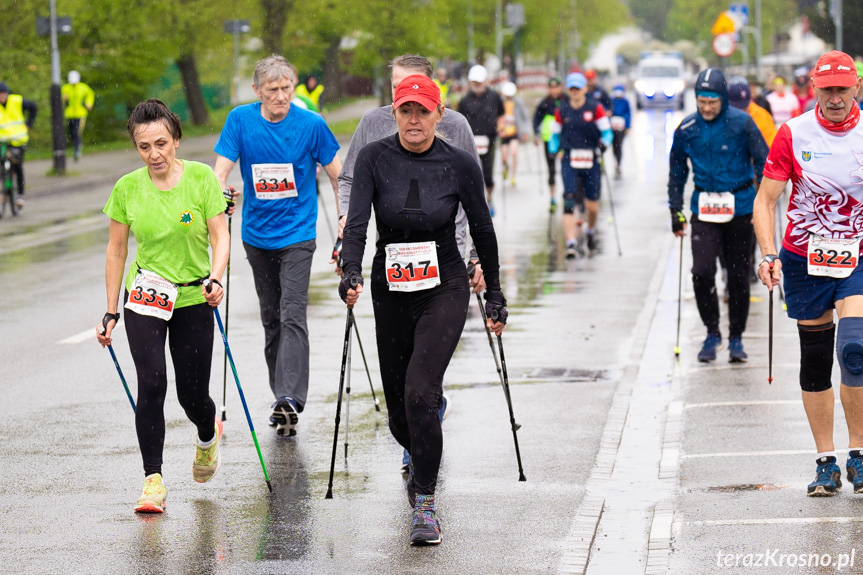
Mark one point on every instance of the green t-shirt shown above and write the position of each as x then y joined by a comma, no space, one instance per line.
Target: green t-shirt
170,226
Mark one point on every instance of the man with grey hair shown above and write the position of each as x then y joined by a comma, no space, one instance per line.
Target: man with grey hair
380,123
279,146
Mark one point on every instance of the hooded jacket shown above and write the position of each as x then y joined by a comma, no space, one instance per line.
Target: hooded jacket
726,153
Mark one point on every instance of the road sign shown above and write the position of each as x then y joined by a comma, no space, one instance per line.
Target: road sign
723,25
514,15
740,14
724,44
64,26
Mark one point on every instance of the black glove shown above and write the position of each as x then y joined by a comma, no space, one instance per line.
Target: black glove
229,197
602,148
495,306
115,317
349,282
337,253
678,220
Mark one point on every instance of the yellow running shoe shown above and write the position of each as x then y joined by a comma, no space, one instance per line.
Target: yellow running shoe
207,460
153,498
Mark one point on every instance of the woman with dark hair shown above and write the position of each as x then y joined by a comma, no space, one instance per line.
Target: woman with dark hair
175,209
415,182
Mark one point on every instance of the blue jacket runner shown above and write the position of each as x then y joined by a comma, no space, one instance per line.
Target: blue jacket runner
723,152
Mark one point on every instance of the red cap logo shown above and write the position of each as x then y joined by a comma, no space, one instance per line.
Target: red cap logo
417,88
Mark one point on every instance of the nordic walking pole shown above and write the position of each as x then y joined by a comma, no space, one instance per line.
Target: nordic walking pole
348,390
324,209
348,322
229,197
123,379
679,298
470,272
242,396
337,250
521,476
770,332
611,203
368,373
117,365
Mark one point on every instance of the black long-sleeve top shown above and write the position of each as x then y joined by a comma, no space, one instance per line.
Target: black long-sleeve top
415,198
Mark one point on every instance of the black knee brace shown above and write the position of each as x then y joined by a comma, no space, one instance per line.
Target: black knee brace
816,356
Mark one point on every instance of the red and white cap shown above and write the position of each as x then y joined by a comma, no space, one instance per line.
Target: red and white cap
417,88
835,69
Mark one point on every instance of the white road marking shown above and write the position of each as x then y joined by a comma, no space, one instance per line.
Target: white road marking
749,453
89,333
774,521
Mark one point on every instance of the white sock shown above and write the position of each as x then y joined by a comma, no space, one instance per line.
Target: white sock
826,454
206,444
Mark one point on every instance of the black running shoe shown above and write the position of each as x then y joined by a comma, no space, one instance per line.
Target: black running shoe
425,528
285,416
591,242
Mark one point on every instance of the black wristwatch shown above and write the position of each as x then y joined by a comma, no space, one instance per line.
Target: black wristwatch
769,259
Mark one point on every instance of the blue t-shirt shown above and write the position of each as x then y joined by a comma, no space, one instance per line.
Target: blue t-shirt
285,155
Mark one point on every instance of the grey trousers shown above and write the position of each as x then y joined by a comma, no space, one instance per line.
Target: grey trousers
282,283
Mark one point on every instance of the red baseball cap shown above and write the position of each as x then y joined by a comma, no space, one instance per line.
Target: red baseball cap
835,68
590,74
420,89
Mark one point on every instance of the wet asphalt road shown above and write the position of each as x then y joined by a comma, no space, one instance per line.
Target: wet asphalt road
635,463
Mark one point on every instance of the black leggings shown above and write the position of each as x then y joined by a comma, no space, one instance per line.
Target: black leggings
551,160
486,161
190,337
417,334
617,145
733,240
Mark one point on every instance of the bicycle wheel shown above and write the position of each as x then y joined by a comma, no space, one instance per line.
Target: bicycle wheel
10,199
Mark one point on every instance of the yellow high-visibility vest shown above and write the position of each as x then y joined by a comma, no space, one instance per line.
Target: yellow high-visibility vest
13,129
314,95
78,98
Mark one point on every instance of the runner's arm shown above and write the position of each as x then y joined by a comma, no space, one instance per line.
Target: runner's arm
220,240
223,170
763,219
31,109
115,264
332,169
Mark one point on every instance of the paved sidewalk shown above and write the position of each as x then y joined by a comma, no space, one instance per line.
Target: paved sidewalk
103,167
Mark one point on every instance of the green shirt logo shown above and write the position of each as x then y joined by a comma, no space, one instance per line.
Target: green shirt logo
186,218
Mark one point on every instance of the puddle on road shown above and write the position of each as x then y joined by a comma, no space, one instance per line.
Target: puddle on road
19,260
745,487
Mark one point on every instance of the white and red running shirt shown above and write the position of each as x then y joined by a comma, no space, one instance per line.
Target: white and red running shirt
826,173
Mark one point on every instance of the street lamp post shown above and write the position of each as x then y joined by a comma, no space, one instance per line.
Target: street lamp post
52,26
236,27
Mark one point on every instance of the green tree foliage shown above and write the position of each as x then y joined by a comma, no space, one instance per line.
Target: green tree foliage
821,24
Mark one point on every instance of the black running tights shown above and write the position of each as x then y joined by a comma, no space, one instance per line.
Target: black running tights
190,338
417,334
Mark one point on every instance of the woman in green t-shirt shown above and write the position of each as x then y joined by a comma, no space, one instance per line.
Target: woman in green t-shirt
175,208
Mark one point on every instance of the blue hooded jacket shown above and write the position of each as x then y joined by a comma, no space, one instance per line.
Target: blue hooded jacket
723,152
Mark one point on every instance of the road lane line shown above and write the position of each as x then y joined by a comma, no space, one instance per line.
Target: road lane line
771,521
743,403
89,333
749,453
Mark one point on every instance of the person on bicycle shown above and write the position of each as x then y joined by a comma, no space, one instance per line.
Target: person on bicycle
15,131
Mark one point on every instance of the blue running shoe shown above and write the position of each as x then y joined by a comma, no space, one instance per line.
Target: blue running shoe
735,351
828,480
406,462
708,348
425,528
444,408
854,467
